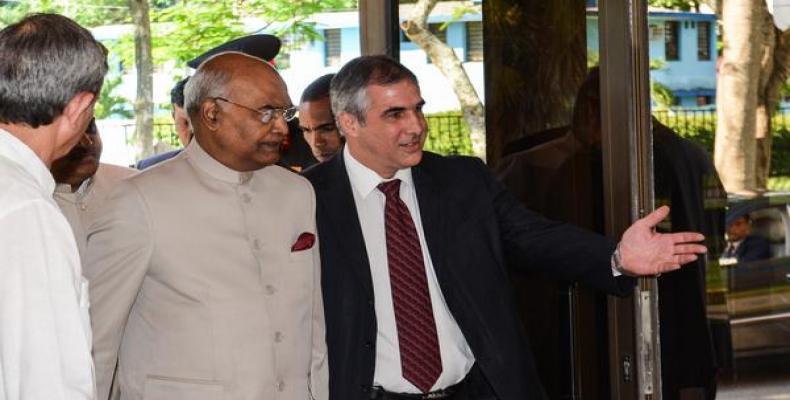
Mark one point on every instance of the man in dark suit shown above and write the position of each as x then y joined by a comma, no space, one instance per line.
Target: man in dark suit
413,246
742,244
181,123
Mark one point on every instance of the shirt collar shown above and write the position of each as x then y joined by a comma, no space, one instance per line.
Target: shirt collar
18,152
81,190
364,180
211,166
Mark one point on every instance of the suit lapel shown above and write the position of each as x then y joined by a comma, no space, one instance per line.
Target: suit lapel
343,218
433,221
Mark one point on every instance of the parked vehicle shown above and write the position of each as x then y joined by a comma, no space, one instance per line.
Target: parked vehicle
753,292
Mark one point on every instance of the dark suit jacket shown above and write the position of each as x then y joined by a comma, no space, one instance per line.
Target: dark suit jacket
753,248
686,180
156,159
472,225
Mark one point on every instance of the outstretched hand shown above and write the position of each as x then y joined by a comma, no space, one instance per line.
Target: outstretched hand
643,251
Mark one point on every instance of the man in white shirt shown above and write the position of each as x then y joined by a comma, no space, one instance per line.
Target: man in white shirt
51,71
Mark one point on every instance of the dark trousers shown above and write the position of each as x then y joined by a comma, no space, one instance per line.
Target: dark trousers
475,387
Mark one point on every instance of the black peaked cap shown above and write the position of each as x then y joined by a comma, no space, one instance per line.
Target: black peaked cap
261,46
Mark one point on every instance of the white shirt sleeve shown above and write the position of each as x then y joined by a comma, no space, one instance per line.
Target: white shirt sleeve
44,325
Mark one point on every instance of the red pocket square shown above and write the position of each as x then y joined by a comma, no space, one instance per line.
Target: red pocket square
306,240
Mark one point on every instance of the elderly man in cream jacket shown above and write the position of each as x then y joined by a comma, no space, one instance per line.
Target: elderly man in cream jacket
204,270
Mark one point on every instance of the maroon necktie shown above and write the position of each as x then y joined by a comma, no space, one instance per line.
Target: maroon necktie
421,363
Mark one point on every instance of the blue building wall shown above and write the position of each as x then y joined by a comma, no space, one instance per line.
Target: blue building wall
310,62
688,77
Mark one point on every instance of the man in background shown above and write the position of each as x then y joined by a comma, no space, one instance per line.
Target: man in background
83,183
180,122
742,244
51,72
317,121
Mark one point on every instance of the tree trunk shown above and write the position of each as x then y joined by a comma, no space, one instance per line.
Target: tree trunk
144,65
737,93
444,58
777,69
755,63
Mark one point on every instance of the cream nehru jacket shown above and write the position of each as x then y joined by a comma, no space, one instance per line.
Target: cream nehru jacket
196,293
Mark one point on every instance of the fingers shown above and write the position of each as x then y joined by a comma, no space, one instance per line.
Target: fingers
677,261
668,267
685,237
690,249
683,259
656,216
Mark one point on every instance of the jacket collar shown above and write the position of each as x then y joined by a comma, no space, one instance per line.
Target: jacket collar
214,168
364,180
335,190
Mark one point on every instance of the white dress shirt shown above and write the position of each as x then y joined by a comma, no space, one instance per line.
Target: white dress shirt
45,332
457,358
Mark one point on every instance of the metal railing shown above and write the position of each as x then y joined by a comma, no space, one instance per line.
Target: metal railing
449,133
687,119
162,133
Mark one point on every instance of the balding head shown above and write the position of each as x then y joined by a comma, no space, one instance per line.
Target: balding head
215,74
226,101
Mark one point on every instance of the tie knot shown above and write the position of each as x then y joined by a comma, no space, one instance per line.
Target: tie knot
390,188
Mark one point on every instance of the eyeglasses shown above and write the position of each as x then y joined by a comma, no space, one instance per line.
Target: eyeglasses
268,114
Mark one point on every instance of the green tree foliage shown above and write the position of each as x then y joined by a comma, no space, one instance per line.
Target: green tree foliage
685,5
88,13
110,104
186,29
181,29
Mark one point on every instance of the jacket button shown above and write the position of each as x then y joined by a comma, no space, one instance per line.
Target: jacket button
368,345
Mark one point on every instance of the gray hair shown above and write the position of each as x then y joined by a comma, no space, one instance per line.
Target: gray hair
348,91
46,60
